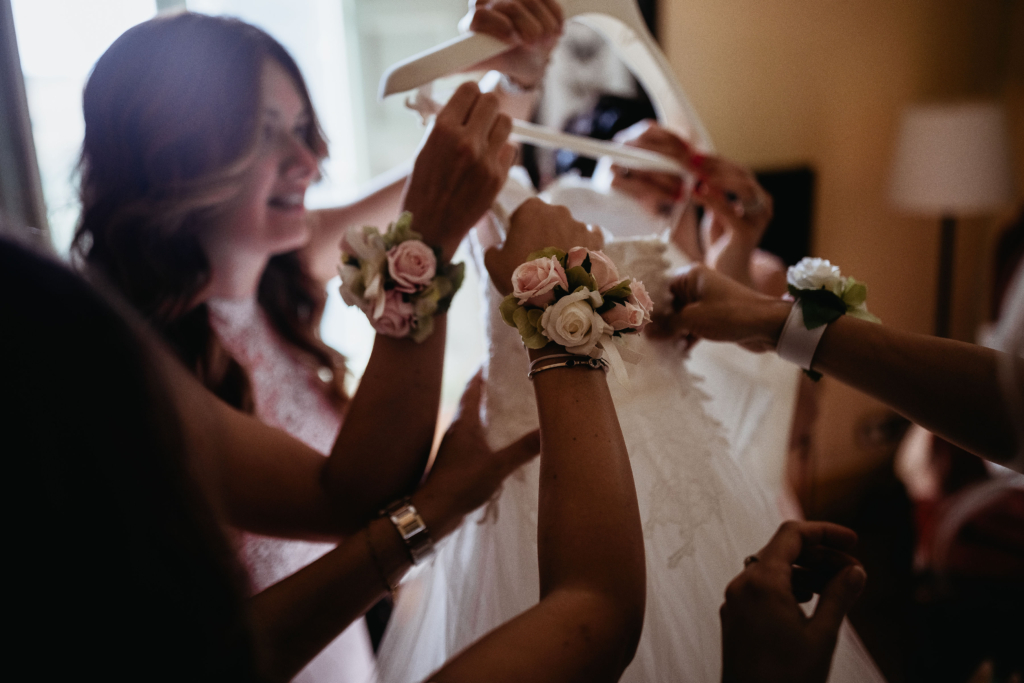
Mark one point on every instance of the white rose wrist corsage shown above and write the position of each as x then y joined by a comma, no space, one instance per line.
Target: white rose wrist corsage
394,278
821,296
579,301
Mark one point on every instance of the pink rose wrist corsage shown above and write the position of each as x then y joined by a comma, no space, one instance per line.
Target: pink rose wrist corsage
395,279
577,300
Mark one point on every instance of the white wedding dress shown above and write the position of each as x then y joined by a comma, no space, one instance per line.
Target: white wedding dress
702,509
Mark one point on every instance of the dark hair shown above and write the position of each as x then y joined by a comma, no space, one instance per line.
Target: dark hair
170,127
123,567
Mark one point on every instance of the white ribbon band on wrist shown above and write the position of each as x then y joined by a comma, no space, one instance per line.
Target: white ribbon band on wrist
797,344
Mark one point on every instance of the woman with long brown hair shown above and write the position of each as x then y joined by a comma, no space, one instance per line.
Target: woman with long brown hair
200,143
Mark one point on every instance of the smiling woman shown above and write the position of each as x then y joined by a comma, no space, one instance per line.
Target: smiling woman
190,177
200,143
268,215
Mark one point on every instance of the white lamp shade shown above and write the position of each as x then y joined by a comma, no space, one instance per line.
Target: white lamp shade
952,159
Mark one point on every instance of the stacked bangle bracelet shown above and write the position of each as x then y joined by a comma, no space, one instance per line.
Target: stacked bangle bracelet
573,361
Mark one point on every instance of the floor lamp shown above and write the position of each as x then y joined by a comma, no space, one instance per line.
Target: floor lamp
952,161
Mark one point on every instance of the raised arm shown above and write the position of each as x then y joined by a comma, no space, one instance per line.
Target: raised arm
949,387
589,541
533,28
388,430
454,180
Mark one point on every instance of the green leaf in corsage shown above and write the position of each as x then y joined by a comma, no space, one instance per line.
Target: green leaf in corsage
527,321
548,252
578,277
401,231
619,293
855,296
509,305
423,328
820,307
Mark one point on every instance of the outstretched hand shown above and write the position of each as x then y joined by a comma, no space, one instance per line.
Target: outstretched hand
709,305
721,186
536,225
467,472
460,168
531,26
766,636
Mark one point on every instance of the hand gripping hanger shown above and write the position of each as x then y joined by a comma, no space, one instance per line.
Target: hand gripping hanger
621,23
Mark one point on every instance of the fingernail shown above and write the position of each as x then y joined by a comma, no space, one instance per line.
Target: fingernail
856,578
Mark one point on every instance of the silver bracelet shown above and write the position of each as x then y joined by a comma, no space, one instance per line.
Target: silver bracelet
797,344
411,528
573,362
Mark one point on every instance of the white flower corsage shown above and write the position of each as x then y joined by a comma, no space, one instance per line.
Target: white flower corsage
577,300
394,278
823,295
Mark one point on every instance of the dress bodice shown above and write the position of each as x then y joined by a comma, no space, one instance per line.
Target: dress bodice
289,395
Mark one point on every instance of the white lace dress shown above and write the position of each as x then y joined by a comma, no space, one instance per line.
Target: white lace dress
702,514
289,396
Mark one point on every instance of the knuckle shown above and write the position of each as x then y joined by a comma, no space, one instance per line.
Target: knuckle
464,149
734,591
789,527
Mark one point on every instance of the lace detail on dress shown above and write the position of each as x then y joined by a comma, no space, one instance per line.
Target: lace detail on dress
287,393
701,513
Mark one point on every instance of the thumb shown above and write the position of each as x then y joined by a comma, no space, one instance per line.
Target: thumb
521,452
838,597
469,404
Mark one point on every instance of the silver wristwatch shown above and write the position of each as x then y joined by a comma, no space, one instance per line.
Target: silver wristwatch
411,528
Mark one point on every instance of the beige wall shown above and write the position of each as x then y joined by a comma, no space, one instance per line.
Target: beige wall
823,82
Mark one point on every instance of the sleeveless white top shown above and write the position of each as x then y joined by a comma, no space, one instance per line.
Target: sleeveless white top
290,397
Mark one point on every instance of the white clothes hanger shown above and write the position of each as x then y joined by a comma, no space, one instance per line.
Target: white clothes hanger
621,23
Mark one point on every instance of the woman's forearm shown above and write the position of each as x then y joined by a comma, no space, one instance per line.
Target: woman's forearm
385,441
589,521
589,545
299,616
949,387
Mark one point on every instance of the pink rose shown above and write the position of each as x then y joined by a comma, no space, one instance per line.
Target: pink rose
534,282
601,267
641,298
412,265
397,317
623,316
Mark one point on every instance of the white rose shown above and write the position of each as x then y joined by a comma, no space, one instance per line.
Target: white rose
366,244
573,323
816,273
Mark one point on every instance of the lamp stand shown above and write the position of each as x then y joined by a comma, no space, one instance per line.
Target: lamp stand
944,294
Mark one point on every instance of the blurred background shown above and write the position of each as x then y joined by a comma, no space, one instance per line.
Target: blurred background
818,97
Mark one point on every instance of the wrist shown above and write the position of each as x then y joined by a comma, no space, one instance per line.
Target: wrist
431,234
549,350
440,511
772,318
